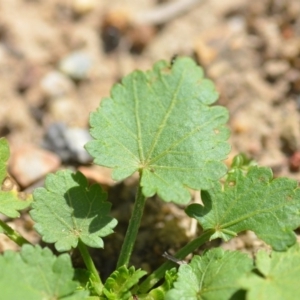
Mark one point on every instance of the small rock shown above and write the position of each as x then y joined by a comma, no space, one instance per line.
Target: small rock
289,128
68,143
140,36
114,25
76,138
76,65
67,110
274,159
98,174
30,163
253,243
269,31
275,68
241,124
219,69
54,140
205,53
210,43
55,84
294,162
260,87
81,7
223,8
28,77
234,244
290,48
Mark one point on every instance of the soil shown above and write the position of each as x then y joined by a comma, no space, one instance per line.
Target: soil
250,49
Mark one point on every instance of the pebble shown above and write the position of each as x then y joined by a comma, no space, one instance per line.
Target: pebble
67,110
30,163
241,124
76,65
55,84
261,88
290,49
76,138
68,143
289,128
294,162
234,244
275,68
210,43
98,174
205,53
269,31
81,7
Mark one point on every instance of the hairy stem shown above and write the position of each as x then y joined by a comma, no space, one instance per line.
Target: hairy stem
90,266
132,229
159,273
13,235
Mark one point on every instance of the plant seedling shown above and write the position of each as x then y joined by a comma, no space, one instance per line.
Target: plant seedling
163,125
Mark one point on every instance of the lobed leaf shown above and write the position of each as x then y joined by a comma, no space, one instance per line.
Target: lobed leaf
67,210
277,276
255,201
35,274
213,276
11,201
120,282
160,124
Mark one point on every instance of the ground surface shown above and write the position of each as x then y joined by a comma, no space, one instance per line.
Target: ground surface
250,49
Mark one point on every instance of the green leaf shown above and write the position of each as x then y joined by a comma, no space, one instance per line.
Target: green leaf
4,156
87,281
159,293
67,210
160,124
11,201
213,276
269,207
120,282
35,274
241,161
277,276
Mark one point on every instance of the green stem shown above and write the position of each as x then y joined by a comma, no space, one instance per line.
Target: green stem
90,266
159,273
13,235
132,229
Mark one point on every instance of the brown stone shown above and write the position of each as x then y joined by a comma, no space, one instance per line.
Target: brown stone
30,163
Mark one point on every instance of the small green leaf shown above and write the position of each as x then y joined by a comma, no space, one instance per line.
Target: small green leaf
86,281
255,201
35,274
160,124
11,203
241,161
10,200
213,276
67,210
159,293
4,156
120,282
277,276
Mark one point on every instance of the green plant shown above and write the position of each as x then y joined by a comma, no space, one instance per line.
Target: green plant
160,124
